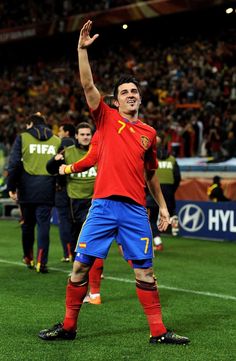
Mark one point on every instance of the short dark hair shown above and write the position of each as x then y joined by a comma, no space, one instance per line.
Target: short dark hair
36,119
125,79
84,125
68,127
216,179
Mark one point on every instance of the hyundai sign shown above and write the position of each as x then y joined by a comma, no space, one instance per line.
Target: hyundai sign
207,219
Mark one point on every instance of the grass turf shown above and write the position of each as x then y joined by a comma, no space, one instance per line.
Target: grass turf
193,276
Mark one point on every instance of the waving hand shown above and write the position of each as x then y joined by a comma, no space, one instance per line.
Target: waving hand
85,40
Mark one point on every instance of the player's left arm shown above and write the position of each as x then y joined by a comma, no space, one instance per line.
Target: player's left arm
88,161
151,164
156,192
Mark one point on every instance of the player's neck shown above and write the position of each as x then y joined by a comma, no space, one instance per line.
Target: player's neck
131,117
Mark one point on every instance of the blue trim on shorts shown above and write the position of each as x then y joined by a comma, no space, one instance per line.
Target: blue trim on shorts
83,258
144,263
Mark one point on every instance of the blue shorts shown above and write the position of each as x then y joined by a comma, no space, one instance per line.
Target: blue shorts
110,220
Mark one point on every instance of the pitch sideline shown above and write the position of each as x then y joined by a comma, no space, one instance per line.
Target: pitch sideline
201,293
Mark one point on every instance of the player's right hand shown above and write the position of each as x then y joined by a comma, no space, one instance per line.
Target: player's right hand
85,40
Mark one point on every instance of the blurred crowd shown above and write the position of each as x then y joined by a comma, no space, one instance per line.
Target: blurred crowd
188,91
16,13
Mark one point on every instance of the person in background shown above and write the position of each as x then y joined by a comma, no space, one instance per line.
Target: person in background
33,187
126,157
215,192
66,133
169,176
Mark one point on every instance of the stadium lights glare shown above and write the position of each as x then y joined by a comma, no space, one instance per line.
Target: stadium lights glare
125,26
229,10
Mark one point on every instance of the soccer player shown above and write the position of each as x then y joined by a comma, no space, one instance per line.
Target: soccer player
126,151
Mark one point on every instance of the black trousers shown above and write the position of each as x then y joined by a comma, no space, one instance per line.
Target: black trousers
36,215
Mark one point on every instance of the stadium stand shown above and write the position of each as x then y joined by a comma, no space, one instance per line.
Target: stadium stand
188,79
15,14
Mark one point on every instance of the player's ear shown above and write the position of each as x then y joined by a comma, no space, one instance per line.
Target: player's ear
116,103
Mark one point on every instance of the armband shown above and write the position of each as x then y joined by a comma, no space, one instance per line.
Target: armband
68,169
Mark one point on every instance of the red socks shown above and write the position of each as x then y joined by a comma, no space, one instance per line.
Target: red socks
146,292
75,293
130,263
95,276
149,299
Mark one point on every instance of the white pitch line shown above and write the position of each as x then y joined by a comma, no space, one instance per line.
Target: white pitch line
226,297
125,280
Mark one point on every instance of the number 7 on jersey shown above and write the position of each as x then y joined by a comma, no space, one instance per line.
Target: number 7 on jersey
123,125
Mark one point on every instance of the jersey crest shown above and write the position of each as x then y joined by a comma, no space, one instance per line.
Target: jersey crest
145,141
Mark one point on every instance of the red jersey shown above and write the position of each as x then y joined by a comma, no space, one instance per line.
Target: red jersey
124,150
90,158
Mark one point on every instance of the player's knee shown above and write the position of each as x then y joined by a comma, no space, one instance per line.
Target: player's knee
82,265
80,272
143,270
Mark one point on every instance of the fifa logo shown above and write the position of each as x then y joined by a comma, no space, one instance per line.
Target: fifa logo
42,149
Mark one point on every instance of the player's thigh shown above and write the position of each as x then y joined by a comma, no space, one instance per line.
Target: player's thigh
98,231
135,234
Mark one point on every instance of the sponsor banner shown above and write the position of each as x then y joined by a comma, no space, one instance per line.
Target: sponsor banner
207,220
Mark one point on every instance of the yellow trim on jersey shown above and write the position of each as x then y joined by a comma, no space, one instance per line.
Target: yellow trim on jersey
68,169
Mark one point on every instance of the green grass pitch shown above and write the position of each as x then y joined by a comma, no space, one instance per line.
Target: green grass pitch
197,287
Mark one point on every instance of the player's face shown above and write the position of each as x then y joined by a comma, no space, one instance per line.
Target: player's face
84,136
128,99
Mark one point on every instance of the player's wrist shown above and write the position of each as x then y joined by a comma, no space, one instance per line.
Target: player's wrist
81,47
68,169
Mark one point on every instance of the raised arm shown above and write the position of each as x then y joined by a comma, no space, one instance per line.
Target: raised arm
91,92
